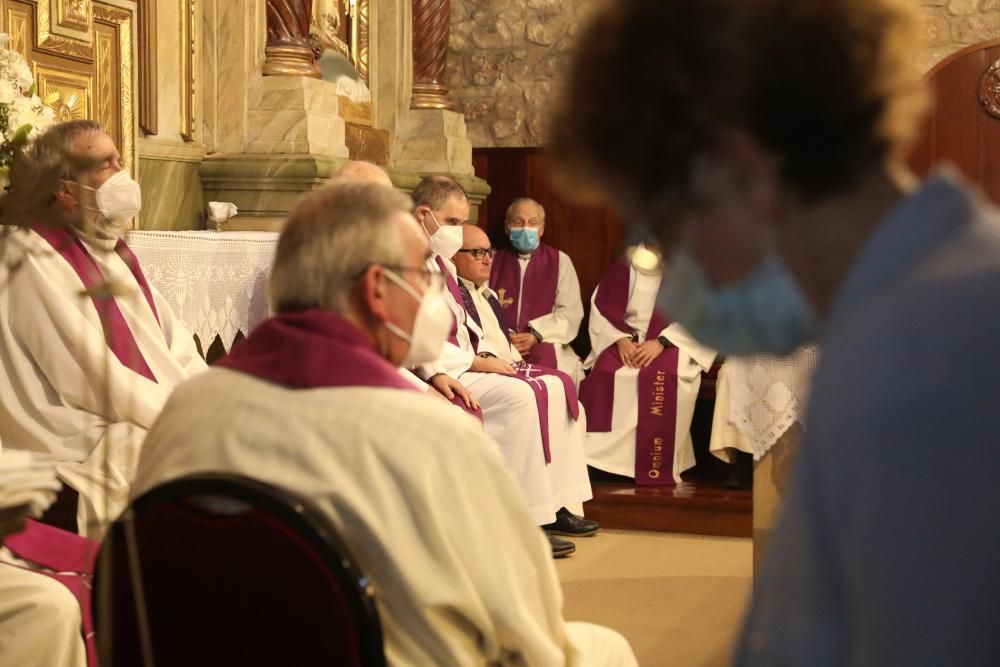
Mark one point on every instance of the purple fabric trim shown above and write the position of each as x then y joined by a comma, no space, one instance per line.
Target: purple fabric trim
73,556
542,405
470,312
657,421
133,264
498,311
455,293
117,334
542,275
312,348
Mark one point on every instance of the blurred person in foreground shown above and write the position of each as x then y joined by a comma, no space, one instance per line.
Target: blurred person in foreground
763,144
312,401
90,351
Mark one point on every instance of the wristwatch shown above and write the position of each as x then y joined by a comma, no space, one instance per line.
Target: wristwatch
663,341
534,333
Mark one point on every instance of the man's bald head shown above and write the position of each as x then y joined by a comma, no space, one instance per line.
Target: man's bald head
474,270
358,171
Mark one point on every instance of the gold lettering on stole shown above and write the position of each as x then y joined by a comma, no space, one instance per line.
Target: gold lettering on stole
656,408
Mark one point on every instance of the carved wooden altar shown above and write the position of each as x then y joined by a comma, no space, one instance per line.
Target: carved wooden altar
86,51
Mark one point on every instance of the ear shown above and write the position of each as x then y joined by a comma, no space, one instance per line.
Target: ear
65,197
372,289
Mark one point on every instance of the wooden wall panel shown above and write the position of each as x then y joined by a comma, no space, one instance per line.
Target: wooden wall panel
591,237
960,129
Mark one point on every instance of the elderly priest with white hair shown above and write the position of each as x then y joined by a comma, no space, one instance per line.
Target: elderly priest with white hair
90,351
312,401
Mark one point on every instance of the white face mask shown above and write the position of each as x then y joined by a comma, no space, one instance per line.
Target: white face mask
446,240
430,326
765,312
119,199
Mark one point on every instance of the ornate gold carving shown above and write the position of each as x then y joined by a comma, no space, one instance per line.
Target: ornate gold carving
187,69
75,92
359,38
288,51
118,23
146,41
431,20
989,89
57,44
75,14
18,25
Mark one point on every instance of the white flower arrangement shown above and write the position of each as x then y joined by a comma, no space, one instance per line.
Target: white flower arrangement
23,115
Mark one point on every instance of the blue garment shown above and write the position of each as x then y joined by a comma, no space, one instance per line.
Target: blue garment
887,550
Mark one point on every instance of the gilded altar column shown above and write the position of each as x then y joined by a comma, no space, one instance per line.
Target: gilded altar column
431,20
288,51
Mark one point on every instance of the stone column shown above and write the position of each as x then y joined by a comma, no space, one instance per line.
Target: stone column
431,20
288,51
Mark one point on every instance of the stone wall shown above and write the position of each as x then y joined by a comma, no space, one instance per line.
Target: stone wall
504,60
506,56
954,24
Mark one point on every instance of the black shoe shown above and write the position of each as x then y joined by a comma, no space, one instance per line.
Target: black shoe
741,473
560,548
571,525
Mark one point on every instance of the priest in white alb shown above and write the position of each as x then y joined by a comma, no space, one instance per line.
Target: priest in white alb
538,291
552,472
559,407
313,402
90,351
644,377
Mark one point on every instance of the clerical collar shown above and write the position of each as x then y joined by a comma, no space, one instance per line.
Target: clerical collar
107,245
481,289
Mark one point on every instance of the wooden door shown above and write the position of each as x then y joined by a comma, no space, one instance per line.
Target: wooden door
963,126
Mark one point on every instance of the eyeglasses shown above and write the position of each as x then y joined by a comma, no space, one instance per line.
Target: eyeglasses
479,253
429,278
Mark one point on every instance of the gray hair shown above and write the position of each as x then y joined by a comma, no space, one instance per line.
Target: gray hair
333,234
435,191
361,171
523,200
38,167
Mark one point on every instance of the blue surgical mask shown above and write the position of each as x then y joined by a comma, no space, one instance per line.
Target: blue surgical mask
765,313
524,239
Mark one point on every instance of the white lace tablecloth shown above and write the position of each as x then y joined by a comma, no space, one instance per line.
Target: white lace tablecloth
766,395
216,282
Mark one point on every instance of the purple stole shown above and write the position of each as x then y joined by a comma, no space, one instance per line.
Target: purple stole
528,373
117,334
656,386
69,559
541,279
312,348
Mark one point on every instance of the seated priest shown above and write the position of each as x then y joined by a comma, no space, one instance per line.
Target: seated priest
313,402
644,377
360,171
544,454
472,263
538,290
90,350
